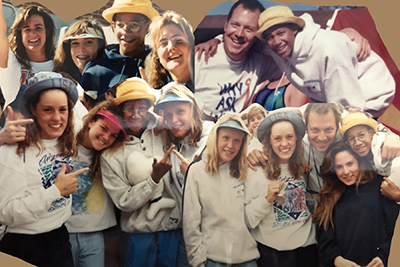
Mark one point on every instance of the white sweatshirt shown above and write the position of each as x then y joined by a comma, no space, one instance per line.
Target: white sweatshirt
282,226
213,218
324,66
30,203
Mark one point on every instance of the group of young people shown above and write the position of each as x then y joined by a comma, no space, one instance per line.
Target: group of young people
92,146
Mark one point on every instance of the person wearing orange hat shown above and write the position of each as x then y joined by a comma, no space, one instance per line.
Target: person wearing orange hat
323,64
154,240
129,21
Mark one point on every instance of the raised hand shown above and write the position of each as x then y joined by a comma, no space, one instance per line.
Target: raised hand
274,189
184,162
162,167
13,130
67,183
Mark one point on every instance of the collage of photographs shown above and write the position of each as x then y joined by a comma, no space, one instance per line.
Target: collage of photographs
266,135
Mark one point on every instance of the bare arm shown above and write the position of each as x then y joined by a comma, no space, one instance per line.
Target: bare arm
295,98
209,49
363,47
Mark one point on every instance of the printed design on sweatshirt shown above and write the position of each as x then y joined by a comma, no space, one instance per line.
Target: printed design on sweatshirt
25,75
49,167
293,209
88,199
229,94
239,190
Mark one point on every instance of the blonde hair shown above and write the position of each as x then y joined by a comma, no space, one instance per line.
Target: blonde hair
237,166
156,74
15,37
63,60
196,127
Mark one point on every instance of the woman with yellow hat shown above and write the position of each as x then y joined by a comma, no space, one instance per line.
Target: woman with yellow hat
323,64
153,239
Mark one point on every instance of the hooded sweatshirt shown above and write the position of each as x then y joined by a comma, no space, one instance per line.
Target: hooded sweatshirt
213,217
324,66
101,74
188,152
135,200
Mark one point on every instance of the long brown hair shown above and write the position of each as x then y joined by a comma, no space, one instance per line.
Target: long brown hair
95,168
66,142
15,37
296,162
333,188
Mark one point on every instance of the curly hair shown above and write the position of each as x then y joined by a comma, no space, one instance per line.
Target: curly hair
156,74
95,168
238,165
333,188
272,169
196,127
15,37
63,60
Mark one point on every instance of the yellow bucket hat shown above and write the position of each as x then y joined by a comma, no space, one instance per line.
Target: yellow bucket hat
277,15
143,7
132,89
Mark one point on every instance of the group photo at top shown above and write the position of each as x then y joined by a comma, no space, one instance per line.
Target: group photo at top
264,136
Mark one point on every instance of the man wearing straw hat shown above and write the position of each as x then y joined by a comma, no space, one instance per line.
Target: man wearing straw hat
129,21
229,79
323,64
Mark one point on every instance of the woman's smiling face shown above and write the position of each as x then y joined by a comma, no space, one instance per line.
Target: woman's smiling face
33,34
173,48
83,50
51,113
346,167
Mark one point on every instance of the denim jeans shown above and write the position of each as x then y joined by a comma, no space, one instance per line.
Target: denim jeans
210,263
87,249
153,249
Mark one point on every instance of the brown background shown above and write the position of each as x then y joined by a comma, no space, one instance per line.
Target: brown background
384,12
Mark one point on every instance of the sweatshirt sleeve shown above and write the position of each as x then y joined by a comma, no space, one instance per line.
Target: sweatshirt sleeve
340,79
192,209
390,212
10,78
328,248
126,197
256,206
19,204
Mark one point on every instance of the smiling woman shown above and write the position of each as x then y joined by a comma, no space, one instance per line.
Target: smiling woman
356,222
213,212
275,206
171,57
83,42
28,49
36,208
